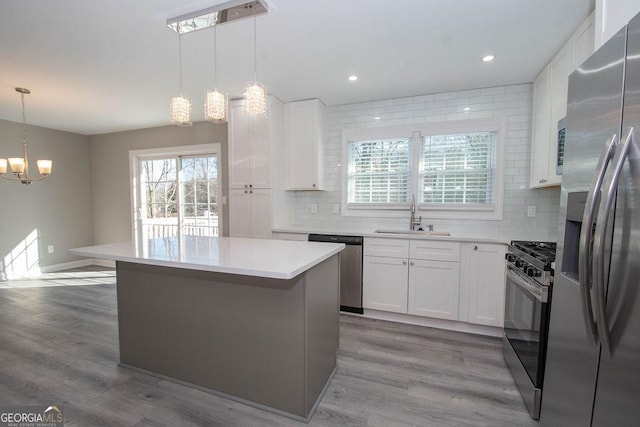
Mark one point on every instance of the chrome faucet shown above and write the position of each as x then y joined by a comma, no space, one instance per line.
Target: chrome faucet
413,221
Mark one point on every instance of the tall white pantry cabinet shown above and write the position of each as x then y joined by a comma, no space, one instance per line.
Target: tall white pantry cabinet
251,142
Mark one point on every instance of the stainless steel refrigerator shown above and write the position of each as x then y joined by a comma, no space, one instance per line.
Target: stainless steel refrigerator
592,375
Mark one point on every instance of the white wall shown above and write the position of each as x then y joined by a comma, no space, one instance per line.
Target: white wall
58,208
510,102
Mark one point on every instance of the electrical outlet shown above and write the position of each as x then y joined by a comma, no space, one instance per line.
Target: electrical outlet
50,249
531,211
336,208
314,208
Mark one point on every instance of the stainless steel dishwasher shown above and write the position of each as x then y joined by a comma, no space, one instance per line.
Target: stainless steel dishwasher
350,270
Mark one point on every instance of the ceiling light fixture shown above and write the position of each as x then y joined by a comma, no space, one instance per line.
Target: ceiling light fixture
181,105
215,104
353,78
488,58
226,12
255,94
20,165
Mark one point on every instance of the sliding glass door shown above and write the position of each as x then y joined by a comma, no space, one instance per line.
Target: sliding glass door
176,195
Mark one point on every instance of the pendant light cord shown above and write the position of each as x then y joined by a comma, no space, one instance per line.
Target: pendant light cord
180,61
215,59
24,122
255,47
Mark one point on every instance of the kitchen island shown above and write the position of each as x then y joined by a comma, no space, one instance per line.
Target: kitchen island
253,320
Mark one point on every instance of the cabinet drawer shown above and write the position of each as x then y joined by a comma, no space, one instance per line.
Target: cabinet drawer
395,248
435,250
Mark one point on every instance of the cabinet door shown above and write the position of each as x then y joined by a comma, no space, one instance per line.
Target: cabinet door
260,152
240,213
303,128
260,213
583,44
385,284
434,289
240,159
540,143
486,276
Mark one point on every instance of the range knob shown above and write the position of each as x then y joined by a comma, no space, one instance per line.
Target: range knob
519,263
510,257
532,272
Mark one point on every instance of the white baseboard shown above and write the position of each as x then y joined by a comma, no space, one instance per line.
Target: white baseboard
75,264
435,323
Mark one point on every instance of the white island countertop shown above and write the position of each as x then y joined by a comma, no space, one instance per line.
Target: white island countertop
276,259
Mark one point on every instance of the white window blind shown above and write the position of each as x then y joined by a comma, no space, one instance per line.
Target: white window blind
379,171
458,170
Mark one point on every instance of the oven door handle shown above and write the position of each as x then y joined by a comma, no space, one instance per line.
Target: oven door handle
604,212
586,238
539,292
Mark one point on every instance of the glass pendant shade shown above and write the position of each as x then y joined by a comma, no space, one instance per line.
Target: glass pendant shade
181,111
215,106
255,99
3,166
44,167
16,164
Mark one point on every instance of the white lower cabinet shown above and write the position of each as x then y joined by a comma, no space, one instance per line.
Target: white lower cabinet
484,283
385,284
435,278
250,213
434,289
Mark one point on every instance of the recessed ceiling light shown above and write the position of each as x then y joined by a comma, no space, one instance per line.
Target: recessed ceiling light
488,58
376,118
353,78
467,108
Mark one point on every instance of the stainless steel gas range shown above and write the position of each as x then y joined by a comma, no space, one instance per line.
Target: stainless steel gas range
529,282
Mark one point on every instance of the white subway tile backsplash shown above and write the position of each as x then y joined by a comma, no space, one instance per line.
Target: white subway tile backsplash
511,102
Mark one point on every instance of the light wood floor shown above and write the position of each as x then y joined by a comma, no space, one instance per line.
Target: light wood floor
59,345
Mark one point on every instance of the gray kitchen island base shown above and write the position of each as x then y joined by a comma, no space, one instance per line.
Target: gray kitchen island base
267,342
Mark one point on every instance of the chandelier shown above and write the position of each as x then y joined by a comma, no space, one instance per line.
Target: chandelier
180,105
255,94
216,102
19,166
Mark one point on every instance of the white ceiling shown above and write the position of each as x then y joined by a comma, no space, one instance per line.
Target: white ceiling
104,66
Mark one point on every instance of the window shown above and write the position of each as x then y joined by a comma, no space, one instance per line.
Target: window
379,171
452,169
458,170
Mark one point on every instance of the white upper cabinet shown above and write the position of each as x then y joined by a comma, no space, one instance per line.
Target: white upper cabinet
249,149
304,122
550,105
611,16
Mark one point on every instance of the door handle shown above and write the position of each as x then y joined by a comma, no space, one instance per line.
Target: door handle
600,238
586,237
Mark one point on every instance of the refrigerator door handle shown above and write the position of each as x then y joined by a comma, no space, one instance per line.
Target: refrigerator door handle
586,234
604,212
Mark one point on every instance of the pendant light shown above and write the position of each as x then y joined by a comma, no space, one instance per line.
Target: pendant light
215,104
20,165
181,105
255,94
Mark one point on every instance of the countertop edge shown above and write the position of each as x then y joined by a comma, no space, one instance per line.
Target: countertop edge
93,252
400,235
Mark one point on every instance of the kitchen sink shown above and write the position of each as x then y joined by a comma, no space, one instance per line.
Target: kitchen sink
415,232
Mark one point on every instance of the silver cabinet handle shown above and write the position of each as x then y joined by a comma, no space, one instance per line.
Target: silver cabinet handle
412,263
586,236
606,204
542,181
404,262
475,247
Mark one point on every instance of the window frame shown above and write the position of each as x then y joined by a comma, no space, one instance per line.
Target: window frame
431,211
